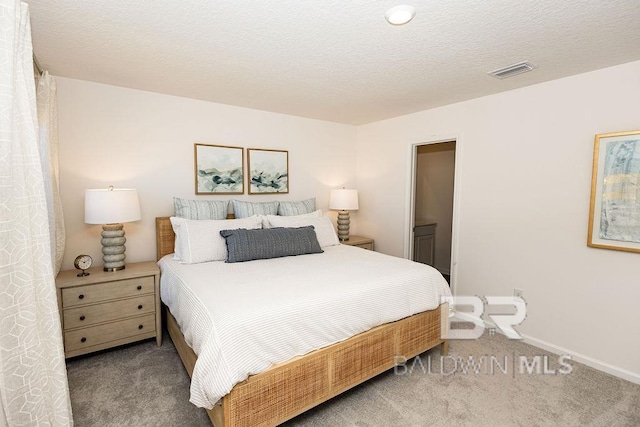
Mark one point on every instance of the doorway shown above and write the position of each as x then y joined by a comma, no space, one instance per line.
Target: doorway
433,204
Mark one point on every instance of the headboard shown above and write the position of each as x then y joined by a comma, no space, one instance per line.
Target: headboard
165,238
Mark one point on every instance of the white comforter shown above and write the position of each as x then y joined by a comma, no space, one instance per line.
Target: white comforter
241,318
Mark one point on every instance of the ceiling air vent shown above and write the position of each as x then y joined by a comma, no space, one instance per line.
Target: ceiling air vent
512,70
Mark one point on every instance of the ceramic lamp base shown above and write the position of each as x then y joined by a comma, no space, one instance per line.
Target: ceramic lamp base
343,225
113,249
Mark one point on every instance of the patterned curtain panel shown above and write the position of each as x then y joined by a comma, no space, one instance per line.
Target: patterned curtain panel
48,142
33,379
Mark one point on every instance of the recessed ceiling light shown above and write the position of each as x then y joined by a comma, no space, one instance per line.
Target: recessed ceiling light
400,15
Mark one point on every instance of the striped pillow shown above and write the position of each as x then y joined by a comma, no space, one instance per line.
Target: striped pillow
248,245
297,208
246,209
200,209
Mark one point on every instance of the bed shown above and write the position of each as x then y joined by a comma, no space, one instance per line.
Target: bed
293,386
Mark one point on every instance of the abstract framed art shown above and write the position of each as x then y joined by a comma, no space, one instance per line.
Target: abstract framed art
219,169
614,213
268,171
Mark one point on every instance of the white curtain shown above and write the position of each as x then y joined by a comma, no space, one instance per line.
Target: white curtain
48,141
33,380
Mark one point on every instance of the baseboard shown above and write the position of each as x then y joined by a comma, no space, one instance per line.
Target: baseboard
577,357
585,360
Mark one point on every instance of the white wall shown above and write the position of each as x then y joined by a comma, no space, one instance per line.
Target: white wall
129,138
524,165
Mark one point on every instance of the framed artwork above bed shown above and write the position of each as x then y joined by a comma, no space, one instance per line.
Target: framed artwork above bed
219,169
268,171
614,213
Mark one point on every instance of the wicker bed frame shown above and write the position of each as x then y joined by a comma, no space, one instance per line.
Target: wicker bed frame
293,387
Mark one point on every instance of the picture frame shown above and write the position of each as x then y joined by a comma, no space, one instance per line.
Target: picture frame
614,212
268,171
219,169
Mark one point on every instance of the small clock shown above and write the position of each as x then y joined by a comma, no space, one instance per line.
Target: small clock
83,262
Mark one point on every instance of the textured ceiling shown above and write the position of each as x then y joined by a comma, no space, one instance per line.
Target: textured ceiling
333,60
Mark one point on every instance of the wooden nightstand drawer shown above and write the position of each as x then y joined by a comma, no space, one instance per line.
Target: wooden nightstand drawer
88,294
95,335
109,308
368,246
359,241
91,314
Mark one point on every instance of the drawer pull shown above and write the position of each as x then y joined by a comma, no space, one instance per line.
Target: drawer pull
81,317
140,307
81,296
139,287
83,339
140,326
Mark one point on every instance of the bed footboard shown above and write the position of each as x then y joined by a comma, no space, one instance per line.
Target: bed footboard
293,387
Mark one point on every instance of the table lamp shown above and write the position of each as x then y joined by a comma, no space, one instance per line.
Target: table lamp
111,207
343,200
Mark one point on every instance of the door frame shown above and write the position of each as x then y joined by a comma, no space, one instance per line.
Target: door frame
411,202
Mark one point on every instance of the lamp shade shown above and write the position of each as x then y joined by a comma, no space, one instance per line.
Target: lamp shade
343,200
111,205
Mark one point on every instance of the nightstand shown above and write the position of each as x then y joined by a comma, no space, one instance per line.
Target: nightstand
107,309
359,241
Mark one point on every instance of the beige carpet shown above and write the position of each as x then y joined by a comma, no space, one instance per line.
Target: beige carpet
143,385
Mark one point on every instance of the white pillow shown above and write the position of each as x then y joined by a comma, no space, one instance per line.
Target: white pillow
325,232
200,240
267,224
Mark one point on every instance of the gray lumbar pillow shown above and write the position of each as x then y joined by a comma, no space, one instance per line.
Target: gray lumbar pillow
248,245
